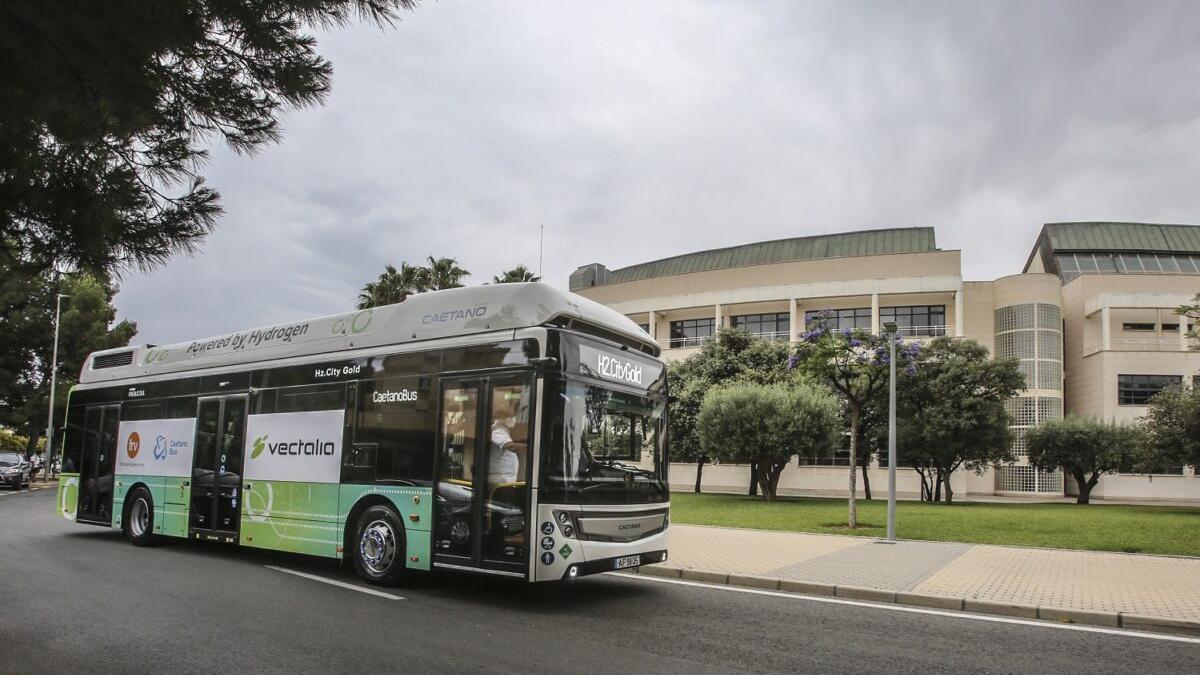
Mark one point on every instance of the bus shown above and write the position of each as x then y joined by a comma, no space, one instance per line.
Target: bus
509,429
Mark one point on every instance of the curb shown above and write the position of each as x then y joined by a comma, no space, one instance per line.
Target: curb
1127,620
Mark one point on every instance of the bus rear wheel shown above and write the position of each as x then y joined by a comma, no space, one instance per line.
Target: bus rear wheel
138,520
379,546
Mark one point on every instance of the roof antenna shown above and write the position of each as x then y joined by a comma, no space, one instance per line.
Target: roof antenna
541,239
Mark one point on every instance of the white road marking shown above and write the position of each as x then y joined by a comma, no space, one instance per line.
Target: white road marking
332,582
922,610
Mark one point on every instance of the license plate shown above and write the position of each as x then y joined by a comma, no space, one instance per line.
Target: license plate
627,561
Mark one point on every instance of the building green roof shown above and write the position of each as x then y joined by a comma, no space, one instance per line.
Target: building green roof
1112,237
868,242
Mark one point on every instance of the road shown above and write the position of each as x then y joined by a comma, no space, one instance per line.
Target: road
77,597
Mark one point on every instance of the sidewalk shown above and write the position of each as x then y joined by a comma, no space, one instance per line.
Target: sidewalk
1111,589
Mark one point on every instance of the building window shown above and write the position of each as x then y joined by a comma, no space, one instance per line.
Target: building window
840,458
1137,326
1139,389
925,320
692,332
838,319
773,326
645,327
1071,265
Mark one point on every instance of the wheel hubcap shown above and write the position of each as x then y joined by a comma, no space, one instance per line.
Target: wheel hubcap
460,532
139,517
377,546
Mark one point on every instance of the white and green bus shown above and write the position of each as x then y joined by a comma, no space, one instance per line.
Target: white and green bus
510,429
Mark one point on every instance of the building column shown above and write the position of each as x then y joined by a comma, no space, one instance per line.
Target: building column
1183,330
654,325
720,318
958,313
794,319
874,313
1105,329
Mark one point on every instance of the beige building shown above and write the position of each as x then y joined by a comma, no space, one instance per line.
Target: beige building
1090,318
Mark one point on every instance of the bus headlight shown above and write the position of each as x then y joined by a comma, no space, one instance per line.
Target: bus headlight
573,571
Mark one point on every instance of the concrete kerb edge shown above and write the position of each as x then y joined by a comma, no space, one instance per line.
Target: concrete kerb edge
1125,620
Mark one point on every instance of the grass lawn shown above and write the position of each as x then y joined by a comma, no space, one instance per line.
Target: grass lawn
1097,527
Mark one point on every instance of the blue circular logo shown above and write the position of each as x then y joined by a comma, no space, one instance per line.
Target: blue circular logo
547,543
547,527
547,558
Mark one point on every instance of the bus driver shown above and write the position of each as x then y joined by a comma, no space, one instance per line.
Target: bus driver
503,462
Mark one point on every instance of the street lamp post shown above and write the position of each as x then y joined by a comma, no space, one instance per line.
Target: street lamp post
890,329
53,380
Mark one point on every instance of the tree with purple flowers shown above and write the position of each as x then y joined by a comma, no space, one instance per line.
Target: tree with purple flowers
854,364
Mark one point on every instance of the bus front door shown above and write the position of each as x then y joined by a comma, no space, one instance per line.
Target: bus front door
96,464
217,468
482,501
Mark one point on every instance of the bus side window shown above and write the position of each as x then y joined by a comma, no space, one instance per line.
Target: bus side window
73,440
397,418
142,410
358,463
180,407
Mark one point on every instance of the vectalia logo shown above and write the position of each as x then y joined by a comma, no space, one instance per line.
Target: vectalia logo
299,446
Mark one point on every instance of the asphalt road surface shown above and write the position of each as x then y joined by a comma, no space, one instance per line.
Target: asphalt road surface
80,598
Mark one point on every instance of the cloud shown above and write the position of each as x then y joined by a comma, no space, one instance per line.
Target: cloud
634,131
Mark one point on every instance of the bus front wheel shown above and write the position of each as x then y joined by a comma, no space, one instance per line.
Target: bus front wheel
379,546
138,521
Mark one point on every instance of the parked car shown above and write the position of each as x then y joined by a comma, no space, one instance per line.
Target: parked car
14,470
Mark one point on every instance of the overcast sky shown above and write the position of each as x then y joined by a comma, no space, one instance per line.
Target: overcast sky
634,131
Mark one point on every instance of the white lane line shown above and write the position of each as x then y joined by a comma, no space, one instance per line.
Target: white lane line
332,582
921,610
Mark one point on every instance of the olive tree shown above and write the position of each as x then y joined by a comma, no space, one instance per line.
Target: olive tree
732,356
1173,429
771,424
1083,447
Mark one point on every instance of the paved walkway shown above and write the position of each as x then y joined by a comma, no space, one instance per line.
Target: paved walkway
1106,582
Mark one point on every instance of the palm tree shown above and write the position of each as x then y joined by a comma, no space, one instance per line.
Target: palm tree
393,286
517,274
444,273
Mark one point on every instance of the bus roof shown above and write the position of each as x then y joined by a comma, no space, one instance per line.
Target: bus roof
423,316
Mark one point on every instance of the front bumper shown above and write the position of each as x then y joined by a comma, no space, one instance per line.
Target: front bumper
559,546
602,565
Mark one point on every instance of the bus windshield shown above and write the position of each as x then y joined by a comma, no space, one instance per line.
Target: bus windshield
605,446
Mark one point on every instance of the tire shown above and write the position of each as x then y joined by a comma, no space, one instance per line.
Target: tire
138,519
379,546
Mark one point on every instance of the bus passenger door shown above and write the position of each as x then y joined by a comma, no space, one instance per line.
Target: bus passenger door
96,464
482,498
217,469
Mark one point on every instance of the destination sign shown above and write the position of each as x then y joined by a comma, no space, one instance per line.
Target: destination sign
618,366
